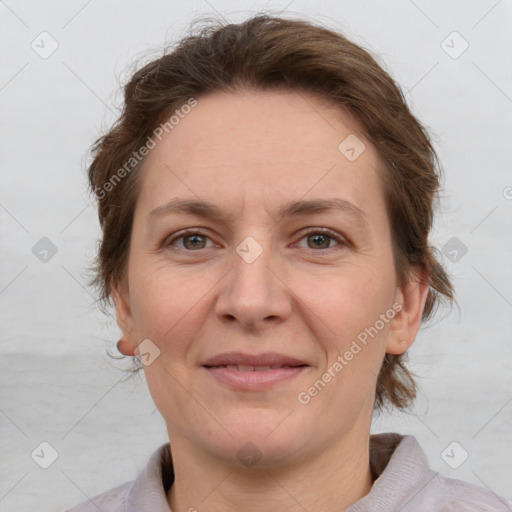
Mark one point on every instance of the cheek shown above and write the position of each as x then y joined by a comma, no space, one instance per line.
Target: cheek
353,300
162,304
350,310
354,344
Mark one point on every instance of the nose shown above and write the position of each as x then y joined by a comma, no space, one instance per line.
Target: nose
254,293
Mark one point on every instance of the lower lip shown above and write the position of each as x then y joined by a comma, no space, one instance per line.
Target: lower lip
254,380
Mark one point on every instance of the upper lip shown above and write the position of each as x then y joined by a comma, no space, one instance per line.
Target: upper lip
266,359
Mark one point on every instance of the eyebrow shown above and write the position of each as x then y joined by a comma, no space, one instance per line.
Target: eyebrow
291,209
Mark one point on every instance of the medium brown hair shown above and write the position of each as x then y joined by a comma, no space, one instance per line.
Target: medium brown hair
267,52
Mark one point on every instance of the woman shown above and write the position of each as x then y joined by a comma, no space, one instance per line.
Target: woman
266,199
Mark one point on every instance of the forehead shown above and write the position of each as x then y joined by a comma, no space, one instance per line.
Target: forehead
262,148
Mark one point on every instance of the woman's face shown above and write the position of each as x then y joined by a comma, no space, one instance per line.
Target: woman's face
291,264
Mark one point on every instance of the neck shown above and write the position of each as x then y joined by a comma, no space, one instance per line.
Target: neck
329,481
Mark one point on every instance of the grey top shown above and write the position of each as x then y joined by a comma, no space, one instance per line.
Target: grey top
404,482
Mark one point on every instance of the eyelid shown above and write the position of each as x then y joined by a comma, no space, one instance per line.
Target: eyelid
170,240
340,239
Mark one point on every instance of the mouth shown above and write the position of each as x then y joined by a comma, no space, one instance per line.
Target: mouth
271,360
253,372
251,368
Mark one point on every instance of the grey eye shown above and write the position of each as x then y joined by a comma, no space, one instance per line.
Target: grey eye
194,241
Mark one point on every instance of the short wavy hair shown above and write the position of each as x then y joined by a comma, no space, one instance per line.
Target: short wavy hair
263,53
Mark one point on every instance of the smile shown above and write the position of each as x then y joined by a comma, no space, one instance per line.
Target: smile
250,368
253,378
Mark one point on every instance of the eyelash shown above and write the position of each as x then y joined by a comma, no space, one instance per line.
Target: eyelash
341,241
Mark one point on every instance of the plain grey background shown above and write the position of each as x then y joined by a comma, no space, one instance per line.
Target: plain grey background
61,68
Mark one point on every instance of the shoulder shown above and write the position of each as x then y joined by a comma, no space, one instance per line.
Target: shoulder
147,491
113,500
406,482
451,495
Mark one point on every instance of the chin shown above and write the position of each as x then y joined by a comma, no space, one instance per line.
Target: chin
260,440
257,454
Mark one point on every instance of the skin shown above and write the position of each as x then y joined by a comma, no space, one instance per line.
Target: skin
306,297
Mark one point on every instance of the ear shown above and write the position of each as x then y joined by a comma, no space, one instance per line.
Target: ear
406,323
121,295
